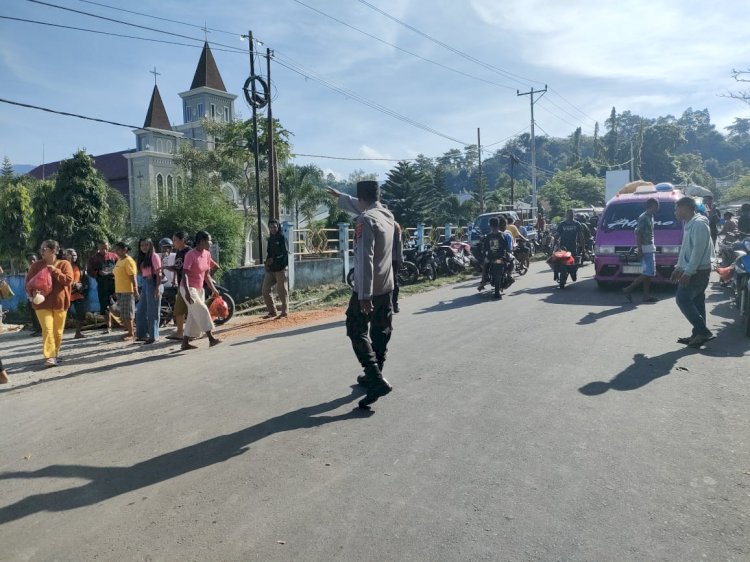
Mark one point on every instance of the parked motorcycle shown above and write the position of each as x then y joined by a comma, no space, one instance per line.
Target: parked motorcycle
456,257
170,294
424,260
727,246
741,285
406,275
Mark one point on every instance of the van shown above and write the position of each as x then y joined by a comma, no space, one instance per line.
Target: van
615,245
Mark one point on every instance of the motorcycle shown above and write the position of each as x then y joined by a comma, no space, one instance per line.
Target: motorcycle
564,264
406,274
456,257
587,253
499,273
728,244
741,285
546,243
424,260
170,294
522,253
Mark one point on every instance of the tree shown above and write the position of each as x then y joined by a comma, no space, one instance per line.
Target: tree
411,196
42,227
200,206
660,141
739,192
80,203
739,130
15,216
232,161
742,95
6,173
570,188
302,190
611,138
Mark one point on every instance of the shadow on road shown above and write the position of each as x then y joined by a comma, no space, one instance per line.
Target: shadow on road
106,482
451,304
643,371
101,368
297,332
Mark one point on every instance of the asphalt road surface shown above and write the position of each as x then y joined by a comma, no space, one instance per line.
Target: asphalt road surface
551,425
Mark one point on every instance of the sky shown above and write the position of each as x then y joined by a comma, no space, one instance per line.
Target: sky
652,57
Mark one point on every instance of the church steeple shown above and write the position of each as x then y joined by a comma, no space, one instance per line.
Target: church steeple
207,74
156,117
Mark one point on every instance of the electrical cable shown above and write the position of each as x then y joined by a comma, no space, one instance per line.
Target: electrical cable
37,22
376,38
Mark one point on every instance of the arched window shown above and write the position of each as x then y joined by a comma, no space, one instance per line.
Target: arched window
169,147
159,190
170,189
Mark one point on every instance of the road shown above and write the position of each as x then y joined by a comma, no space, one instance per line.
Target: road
551,425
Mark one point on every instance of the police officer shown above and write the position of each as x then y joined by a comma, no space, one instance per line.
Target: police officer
398,260
369,315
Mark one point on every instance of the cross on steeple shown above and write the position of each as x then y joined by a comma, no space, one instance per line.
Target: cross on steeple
205,31
155,74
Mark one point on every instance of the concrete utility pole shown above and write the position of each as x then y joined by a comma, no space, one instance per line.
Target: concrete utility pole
273,171
531,93
480,186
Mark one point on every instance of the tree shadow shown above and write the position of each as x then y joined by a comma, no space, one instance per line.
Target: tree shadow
106,482
643,371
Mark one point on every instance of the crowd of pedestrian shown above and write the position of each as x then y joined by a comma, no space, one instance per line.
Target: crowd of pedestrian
129,289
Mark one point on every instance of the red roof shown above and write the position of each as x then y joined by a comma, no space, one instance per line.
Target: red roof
113,166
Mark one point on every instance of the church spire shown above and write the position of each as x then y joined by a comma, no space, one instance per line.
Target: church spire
207,73
156,117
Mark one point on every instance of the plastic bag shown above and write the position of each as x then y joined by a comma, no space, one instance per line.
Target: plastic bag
5,291
41,283
218,308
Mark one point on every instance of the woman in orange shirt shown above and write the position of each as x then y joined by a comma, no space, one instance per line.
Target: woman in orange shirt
52,311
79,289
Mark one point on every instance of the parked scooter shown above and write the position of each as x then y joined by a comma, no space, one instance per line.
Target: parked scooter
424,260
741,285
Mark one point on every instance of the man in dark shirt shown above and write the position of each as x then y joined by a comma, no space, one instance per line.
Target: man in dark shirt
571,236
100,267
743,224
277,260
497,245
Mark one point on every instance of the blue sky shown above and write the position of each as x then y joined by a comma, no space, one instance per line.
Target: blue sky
652,57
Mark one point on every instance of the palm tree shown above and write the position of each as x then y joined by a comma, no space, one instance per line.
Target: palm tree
302,190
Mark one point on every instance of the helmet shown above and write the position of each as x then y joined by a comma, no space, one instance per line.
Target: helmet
165,242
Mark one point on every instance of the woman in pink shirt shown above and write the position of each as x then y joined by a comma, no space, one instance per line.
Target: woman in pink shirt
147,315
196,269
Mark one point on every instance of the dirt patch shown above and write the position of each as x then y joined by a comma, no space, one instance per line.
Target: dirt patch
256,325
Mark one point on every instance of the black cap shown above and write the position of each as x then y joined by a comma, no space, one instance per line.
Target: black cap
368,190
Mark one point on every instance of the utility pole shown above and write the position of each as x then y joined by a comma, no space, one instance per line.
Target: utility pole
253,99
480,186
534,205
273,171
513,161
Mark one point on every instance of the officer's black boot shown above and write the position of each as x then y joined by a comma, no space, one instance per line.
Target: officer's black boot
377,387
363,380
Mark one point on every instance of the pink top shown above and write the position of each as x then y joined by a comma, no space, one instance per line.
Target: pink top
196,265
147,271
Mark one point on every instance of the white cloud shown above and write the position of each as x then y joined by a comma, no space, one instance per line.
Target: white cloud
661,40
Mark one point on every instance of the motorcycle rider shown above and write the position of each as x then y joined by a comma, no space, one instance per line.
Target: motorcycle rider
498,244
743,224
730,225
570,236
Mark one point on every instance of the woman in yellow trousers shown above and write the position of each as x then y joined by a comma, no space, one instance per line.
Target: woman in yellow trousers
52,311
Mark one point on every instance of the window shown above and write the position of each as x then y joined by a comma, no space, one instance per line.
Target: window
200,111
169,147
159,190
226,114
624,216
185,113
170,189
213,112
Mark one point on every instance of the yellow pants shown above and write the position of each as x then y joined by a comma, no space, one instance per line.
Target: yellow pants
53,324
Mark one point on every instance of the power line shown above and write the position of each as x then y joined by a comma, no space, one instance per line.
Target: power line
37,22
383,41
295,67
353,159
515,77
158,18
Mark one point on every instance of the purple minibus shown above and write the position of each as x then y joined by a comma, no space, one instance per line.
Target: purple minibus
615,249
